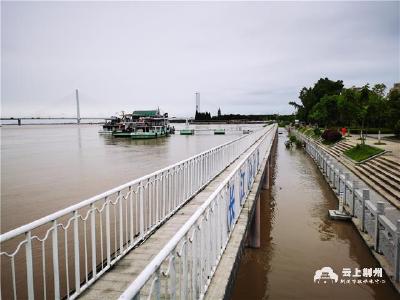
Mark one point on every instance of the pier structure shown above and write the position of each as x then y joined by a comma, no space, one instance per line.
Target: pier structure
376,217
171,234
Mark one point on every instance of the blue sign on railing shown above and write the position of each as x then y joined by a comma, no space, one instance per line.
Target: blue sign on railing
241,191
231,209
249,178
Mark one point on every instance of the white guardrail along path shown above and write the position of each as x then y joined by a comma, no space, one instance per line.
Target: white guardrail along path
384,232
184,267
60,255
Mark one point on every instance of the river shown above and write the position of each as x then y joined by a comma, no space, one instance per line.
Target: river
298,238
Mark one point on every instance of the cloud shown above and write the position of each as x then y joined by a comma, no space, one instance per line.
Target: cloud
243,57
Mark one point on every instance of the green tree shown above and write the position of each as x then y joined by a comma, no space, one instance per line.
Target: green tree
393,108
362,108
311,96
377,107
347,106
325,112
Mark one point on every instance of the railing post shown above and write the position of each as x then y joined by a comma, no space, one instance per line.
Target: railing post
108,233
55,262
328,170
380,210
76,254
121,231
365,197
346,180
163,195
157,189
29,265
131,234
353,200
337,182
93,236
141,208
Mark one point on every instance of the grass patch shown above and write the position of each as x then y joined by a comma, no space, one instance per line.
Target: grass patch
361,152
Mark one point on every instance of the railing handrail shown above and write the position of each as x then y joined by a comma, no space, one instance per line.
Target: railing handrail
49,218
157,261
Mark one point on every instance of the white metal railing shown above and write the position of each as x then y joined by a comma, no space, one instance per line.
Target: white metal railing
60,255
370,214
184,267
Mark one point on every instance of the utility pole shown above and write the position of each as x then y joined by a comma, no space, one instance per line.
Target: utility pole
78,114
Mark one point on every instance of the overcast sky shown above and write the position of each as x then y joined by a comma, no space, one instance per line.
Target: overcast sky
242,57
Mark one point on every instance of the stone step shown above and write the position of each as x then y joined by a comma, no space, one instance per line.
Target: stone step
337,152
367,178
344,147
389,179
381,159
378,181
383,167
392,161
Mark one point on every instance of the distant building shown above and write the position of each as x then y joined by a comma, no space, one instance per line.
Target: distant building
219,112
396,87
356,88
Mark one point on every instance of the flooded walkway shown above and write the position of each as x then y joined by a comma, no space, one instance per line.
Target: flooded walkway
298,238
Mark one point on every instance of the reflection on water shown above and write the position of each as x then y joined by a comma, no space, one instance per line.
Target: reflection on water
297,238
46,168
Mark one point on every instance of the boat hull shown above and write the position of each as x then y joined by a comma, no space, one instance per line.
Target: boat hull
147,135
122,134
219,131
186,132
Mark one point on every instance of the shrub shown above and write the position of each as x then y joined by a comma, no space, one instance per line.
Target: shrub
331,136
299,144
292,139
317,131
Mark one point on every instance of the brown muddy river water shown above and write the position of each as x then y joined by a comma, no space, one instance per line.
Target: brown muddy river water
298,238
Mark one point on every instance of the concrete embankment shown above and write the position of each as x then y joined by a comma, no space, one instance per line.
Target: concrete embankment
376,219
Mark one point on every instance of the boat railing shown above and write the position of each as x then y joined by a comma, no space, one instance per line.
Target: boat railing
60,255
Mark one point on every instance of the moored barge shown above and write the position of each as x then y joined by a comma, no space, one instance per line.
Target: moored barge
140,124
